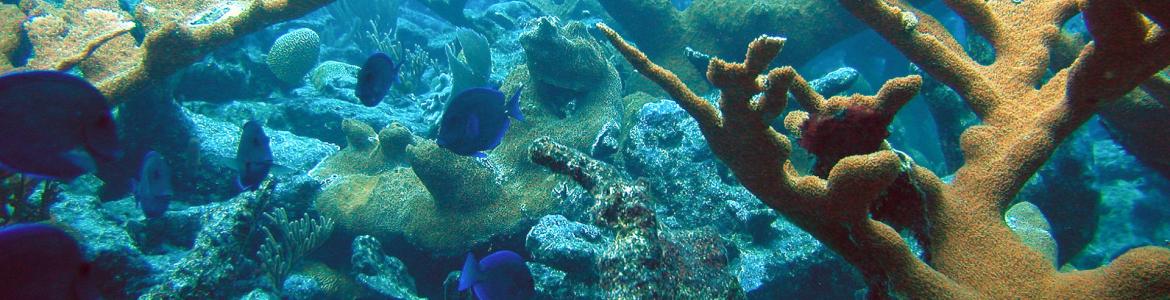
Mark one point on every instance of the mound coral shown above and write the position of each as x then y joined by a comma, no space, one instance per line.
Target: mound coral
178,33
445,203
294,54
972,252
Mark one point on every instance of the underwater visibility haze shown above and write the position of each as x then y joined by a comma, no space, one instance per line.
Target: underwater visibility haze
584,149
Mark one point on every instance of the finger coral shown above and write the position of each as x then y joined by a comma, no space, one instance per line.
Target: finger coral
972,252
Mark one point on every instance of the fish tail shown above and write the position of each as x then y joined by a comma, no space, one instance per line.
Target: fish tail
514,104
240,184
468,276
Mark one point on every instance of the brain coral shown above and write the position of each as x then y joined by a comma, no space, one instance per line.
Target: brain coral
294,54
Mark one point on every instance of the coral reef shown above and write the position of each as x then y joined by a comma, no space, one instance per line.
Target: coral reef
1139,121
280,253
379,272
450,10
118,264
437,208
218,260
492,196
717,27
293,54
335,79
471,62
972,253
645,259
22,201
1027,222
565,245
177,35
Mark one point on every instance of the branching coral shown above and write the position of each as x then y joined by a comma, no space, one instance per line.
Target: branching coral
972,252
178,34
720,27
1159,88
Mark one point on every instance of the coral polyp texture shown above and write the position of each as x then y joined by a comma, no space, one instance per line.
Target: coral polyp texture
971,251
94,35
294,54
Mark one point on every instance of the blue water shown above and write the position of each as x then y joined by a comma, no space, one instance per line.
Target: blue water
361,203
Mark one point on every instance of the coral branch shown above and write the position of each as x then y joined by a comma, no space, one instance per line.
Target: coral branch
177,44
69,62
698,108
972,252
1159,88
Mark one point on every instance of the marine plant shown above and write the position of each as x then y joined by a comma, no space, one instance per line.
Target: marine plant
415,60
471,62
367,22
969,250
19,200
296,238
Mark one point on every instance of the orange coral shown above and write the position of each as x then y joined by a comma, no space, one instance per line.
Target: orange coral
973,253
91,34
178,44
62,37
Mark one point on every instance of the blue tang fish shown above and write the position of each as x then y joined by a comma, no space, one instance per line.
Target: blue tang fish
54,125
375,78
477,119
39,261
253,156
153,189
500,275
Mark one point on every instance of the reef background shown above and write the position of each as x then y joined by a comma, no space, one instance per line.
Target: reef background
610,188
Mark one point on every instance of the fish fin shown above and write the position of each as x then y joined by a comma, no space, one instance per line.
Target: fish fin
514,105
470,271
240,184
478,154
134,190
80,159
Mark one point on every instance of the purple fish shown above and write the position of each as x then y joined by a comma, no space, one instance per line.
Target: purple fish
54,125
153,189
500,275
39,261
375,78
477,119
253,156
